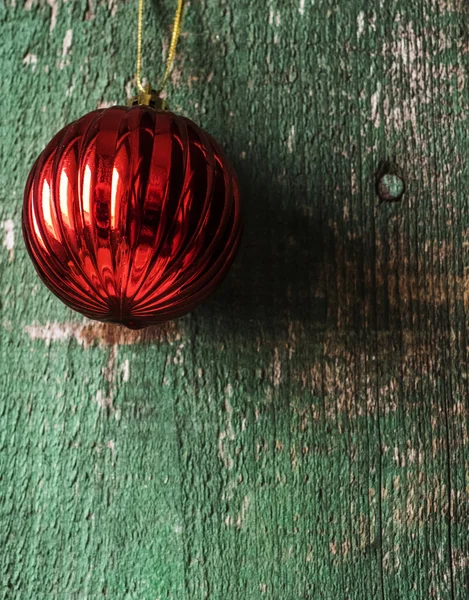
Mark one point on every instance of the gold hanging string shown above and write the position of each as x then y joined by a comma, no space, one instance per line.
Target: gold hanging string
172,48
139,46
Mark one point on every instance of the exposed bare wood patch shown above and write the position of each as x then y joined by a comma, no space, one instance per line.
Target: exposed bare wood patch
91,333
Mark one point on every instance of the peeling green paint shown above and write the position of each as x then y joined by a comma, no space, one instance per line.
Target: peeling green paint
305,433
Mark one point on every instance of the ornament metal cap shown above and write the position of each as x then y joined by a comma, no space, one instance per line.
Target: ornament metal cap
149,97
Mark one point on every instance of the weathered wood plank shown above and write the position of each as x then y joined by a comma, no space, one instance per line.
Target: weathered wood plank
305,433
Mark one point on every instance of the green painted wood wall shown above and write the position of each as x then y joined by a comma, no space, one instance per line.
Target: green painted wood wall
304,434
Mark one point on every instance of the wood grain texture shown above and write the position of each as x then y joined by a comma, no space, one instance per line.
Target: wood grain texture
304,434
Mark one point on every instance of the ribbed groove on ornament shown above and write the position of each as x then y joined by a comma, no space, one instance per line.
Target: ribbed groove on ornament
165,254
134,205
201,164
159,226
97,163
112,204
123,238
159,267
130,214
59,169
192,281
84,176
52,268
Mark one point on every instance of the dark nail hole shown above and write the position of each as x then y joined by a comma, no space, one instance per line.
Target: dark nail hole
390,185
391,188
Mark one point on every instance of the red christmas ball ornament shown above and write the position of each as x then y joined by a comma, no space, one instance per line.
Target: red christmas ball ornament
131,215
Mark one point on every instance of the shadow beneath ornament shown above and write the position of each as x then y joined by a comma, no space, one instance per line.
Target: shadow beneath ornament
300,261
278,274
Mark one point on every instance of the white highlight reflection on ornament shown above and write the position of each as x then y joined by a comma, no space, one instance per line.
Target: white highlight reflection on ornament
63,198
86,190
46,207
114,187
